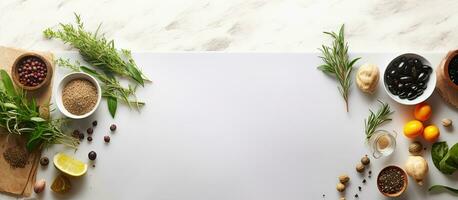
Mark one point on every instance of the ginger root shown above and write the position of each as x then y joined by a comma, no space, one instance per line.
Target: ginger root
417,167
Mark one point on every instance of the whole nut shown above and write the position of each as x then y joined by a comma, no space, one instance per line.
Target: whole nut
365,160
344,178
415,148
447,122
360,167
342,198
340,187
39,186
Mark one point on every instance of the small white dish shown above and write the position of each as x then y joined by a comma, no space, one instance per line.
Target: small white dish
431,85
63,83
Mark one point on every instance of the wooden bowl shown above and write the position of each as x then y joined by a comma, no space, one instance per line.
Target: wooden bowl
405,182
447,89
15,73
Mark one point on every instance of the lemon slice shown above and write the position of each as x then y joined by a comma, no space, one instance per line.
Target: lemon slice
69,165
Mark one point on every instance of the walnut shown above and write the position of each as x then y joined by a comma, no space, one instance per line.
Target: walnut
367,77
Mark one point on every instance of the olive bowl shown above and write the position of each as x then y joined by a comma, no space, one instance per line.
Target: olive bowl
15,72
430,85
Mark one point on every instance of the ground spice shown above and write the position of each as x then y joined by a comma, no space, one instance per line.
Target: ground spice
391,180
79,96
16,157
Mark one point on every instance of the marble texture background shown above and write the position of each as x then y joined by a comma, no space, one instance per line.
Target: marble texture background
239,25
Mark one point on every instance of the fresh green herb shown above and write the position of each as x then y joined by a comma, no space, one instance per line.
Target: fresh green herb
112,90
445,160
337,62
20,116
97,50
438,187
376,119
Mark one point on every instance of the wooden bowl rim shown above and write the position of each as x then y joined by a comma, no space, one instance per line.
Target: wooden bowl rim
448,59
406,182
15,75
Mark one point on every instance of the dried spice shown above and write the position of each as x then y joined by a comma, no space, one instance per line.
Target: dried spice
16,157
391,180
79,96
32,71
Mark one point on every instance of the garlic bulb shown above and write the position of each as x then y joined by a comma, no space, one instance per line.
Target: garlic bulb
417,167
367,77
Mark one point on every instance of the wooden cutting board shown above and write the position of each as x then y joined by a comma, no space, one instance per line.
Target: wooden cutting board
19,181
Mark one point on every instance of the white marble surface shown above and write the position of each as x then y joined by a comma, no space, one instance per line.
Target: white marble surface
239,25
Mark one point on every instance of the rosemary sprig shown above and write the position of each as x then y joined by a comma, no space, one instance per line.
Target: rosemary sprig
112,90
21,117
376,119
97,50
337,62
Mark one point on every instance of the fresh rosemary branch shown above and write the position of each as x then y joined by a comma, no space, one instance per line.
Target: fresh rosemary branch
20,116
112,90
97,50
337,62
376,119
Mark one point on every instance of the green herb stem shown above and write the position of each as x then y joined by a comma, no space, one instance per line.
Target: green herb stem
376,119
337,63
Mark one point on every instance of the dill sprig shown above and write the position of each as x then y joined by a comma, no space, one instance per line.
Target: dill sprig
97,50
337,62
21,117
376,119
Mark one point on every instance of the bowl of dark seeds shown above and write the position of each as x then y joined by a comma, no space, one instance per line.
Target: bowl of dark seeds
409,79
31,71
392,181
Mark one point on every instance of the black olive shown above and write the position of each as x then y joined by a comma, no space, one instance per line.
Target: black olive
405,79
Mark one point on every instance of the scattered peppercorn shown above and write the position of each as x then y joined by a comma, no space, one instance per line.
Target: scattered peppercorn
90,131
106,138
364,180
76,134
93,165
359,188
370,172
356,195
32,71
81,136
113,127
94,123
89,138
92,155
44,161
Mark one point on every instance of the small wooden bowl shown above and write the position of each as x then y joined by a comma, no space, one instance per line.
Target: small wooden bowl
405,181
15,73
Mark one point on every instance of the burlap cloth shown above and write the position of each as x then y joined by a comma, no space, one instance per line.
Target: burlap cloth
19,181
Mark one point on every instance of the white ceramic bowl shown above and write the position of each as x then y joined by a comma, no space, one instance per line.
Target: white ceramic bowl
63,83
430,86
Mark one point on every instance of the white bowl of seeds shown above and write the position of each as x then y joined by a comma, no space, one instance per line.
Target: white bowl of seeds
78,95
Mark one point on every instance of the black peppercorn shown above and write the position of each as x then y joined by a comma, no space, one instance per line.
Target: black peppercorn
89,138
94,123
76,134
44,161
92,155
90,131
113,127
81,136
356,195
106,138
359,188
364,181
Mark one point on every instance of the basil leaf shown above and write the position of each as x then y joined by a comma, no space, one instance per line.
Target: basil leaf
8,84
454,155
112,103
438,152
438,187
446,165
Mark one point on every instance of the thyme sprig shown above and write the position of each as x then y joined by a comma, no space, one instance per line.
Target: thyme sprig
97,50
21,117
376,119
112,90
337,62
